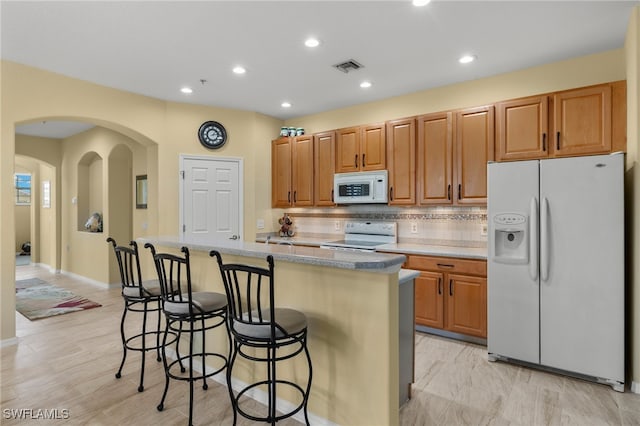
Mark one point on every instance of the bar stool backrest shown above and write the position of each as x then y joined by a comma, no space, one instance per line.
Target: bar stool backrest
129,266
174,274
250,296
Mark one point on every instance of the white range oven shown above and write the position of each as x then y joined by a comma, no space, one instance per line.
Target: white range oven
365,236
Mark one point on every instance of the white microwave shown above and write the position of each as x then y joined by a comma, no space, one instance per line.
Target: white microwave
361,187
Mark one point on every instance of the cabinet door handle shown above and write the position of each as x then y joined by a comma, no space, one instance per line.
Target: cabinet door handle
391,193
289,197
356,161
295,196
459,191
558,141
450,287
332,195
439,285
449,192
363,164
445,265
544,141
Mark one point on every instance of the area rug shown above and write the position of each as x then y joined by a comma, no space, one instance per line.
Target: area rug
36,299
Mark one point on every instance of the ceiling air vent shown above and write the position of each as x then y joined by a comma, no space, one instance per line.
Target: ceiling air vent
350,65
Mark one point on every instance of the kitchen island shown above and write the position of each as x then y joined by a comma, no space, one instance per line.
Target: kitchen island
351,300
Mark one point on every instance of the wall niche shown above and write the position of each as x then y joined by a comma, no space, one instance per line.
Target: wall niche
89,194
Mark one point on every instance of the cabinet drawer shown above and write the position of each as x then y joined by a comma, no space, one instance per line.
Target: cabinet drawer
448,264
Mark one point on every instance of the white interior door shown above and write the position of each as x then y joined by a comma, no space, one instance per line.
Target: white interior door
211,198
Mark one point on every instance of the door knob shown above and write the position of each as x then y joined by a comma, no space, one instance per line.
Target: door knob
234,237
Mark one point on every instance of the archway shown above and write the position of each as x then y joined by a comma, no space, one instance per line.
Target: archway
125,154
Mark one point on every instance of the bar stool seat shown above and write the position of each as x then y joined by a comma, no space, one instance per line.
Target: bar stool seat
289,322
150,287
202,301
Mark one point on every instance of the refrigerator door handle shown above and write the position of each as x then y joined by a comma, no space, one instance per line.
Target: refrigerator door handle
544,240
533,239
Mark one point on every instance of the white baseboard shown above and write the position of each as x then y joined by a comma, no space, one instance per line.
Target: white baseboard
89,280
259,395
635,387
8,342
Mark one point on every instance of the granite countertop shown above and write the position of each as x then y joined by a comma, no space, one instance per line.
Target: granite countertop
367,262
459,251
435,250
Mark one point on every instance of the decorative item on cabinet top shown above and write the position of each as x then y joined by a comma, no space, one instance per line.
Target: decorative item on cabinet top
291,131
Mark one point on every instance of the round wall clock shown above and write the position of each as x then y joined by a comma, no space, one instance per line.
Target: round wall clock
212,134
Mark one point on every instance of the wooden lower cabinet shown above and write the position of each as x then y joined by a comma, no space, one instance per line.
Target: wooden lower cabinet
451,294
466,305
429,299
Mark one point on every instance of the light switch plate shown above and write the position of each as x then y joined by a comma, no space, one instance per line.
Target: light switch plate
483,229
414,227
336,225
260,223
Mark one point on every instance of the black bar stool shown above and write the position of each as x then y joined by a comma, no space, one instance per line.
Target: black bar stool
189,312
137,295
255,322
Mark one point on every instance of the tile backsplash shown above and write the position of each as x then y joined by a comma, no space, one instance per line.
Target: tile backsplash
432,225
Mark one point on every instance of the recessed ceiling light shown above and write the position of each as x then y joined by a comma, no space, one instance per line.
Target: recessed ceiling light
286,104
466,59
186,90
239,70
312,42
365,84
421,2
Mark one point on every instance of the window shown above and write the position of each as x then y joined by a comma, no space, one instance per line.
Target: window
23,188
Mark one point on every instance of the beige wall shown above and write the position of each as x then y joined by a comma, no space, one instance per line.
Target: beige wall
632,49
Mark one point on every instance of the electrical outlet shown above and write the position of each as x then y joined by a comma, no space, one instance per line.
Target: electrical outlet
336,225
260,223
414,228
483,229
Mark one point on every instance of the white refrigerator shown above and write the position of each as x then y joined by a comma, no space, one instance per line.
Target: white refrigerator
556,265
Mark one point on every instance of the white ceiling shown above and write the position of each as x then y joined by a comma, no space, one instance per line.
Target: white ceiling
154,48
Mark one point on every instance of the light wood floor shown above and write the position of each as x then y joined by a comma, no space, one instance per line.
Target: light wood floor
68,362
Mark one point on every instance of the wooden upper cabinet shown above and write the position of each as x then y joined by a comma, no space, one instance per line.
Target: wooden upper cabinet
474,145
522,129
360,148
401,161
281,172
619,116
292,172
302,171
324,166
434,179
347,150
582,121
373,147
